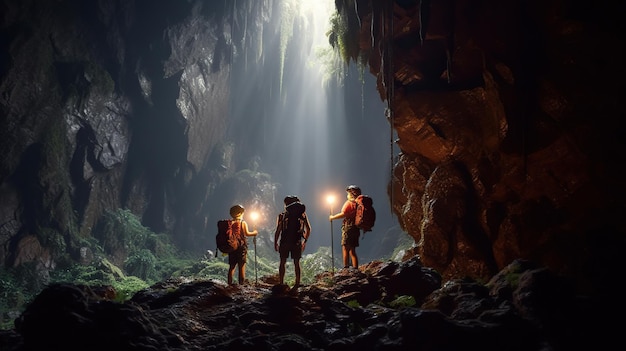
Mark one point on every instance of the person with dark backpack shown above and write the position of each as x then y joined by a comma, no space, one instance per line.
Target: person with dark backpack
350,232
292,232
238,232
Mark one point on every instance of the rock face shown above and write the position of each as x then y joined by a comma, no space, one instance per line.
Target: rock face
523,308
115,104
509,122
508,117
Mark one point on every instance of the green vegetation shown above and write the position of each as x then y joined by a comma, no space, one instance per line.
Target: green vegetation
314,264
15,292
344,37
101,273
344,34
405,242
403,301
353,304
150,258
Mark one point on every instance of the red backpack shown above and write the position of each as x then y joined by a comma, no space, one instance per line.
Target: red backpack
365,213
228,238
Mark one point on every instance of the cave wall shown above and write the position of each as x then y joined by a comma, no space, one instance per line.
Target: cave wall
509,120
116,104
508,117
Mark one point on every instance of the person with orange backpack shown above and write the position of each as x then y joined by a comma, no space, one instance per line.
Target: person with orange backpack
239,256
349,231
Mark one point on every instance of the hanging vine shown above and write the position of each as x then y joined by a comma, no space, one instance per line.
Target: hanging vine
344,33
288,12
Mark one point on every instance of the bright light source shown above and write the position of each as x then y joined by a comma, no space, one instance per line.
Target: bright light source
254,215
330,198
319,11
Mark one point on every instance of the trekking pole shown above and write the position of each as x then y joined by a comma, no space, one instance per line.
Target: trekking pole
254,216
330,200
256,281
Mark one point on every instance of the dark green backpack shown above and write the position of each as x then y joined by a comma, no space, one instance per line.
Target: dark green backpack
293,222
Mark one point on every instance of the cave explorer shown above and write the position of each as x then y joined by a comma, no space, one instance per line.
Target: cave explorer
291,240
239,256
349,231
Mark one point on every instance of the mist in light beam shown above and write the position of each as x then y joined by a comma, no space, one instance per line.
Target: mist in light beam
312,134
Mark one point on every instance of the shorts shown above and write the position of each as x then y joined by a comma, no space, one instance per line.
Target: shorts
350,236
238,257
293,249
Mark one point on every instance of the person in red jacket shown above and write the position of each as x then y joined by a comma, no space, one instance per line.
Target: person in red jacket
349,231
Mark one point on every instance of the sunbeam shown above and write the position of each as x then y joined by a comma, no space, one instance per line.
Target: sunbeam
313,134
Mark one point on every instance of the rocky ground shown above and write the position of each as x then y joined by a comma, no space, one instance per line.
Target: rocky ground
380,306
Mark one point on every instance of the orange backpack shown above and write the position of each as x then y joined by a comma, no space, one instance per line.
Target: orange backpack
365,213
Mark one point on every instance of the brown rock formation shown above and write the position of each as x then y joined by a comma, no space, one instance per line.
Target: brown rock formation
509,126
523,308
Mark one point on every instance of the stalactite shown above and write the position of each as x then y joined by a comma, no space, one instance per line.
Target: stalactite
424,17
356,12
387,69
287,16
372,39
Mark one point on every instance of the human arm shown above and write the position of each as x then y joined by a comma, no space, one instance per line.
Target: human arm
341,214
307,230
247,231
336,216
277,231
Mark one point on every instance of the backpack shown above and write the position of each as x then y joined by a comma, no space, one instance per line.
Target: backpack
293,222
365,213
228,238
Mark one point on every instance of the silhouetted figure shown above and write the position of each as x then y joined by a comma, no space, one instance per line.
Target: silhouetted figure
292,232
349,231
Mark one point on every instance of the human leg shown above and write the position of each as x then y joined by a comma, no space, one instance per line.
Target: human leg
285,252
242,273
232,262
296,264
243,258
344,243
354,257
231,272
281,270
296,254
352,242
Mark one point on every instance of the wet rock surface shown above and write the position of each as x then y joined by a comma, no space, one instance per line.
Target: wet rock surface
523,307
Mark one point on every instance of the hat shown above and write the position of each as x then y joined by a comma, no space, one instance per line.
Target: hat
236,210
354,190
289,199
